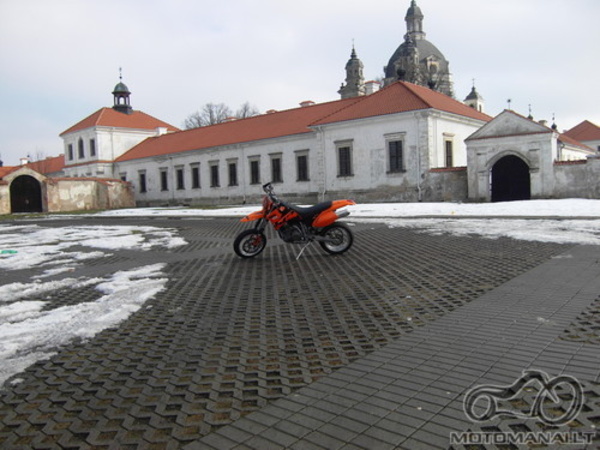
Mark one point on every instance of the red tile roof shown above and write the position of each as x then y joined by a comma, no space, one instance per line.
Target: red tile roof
585,131
402,97
48,165
398,97
264,126
108,117
6,170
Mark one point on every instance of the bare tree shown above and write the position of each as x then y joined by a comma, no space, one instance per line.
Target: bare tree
246,110
210,114
213,113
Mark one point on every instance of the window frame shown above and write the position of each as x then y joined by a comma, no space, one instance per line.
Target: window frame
345,156
254,165
232,172
448,152
396,163
304,167
277,168
143,182
179,178
164,179
215,180
195,172
80,149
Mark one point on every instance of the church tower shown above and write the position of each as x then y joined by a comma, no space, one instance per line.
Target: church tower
474,100
355,80
121,95
417,60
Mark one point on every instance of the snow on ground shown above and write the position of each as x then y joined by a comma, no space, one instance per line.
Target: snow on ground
529,208
547,220
31,329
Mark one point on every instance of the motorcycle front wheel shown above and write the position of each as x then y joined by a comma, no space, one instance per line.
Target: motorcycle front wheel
338,238
249,243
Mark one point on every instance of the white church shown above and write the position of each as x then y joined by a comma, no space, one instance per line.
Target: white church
409,140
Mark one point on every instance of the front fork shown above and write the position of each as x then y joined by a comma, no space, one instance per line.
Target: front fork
261,224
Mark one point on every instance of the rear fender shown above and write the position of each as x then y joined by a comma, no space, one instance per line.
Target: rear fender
330,215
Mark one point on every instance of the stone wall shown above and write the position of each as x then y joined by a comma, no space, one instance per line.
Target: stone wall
71,194
577,179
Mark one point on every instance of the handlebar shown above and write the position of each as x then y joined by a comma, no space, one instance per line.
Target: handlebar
268,188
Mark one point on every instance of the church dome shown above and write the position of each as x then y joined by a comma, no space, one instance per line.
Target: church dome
417,60
425,50
121,88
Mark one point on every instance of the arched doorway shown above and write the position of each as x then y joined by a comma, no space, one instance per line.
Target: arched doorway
510,180
25,194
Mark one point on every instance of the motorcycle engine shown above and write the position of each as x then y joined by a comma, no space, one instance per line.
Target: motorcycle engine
291,233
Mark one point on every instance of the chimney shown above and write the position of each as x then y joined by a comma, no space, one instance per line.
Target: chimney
25,160
372,86
160,131
306,103
271,111
543,122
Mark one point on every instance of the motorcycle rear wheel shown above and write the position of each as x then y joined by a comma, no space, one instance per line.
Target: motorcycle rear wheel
250,243
339,238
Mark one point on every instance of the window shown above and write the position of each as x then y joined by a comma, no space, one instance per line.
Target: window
180,178
214,175
123,176
344,160
81,149
70,152
449,153
142,178
302,166
255,171
196,176
396,156
276,176
233,181
164,180
92,147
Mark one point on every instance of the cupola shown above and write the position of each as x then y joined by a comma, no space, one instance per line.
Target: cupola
121,95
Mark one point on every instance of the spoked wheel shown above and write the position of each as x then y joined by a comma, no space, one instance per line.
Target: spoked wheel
338,238
250,243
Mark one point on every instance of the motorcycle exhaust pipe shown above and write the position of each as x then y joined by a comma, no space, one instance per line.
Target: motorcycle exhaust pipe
342,214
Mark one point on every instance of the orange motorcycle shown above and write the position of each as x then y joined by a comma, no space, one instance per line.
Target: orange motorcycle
296,225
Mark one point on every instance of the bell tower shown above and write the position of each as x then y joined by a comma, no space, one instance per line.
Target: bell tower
121,95
355,80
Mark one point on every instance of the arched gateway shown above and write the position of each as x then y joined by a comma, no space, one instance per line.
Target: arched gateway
510,180
25,194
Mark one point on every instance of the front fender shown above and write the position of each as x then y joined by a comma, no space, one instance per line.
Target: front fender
256,215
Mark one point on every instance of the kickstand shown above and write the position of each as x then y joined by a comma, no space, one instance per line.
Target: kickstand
302,250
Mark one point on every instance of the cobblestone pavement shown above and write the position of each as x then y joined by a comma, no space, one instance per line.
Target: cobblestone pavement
228,337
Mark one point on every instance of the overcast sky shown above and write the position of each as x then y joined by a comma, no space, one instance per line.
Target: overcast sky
60,59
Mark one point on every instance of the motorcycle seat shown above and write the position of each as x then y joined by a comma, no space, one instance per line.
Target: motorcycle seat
310,211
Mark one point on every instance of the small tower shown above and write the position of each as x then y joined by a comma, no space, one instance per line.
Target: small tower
474,100
414,22
355,80
121,95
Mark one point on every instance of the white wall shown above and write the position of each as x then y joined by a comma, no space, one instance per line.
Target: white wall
368,138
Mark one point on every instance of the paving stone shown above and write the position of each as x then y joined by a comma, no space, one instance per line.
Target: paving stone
228,337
